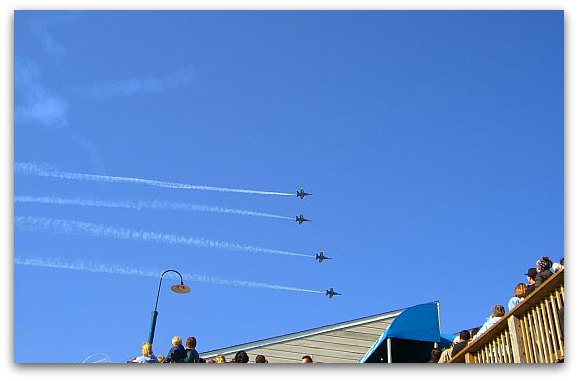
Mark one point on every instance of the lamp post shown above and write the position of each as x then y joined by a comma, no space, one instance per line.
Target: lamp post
178,288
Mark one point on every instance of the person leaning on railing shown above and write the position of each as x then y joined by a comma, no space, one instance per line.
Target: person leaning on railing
519,293
497,313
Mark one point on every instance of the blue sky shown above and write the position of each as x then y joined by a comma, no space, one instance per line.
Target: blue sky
433,143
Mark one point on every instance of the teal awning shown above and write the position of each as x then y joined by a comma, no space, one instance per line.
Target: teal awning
418,323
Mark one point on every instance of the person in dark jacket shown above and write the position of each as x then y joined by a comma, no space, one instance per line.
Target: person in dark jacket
192,354
543,266
177,353
531,274
464,339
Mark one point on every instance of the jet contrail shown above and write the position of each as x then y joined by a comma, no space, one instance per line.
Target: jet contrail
35,169
97,230
141,204
123,270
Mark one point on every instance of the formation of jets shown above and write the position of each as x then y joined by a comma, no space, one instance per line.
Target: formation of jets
318,257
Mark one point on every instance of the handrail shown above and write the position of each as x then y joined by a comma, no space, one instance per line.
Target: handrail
530,332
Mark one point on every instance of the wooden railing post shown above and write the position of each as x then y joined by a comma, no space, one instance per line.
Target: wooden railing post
517,340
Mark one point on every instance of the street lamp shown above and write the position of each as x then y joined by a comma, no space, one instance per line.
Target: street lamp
178,288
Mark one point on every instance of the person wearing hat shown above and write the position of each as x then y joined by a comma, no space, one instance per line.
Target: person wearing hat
531,274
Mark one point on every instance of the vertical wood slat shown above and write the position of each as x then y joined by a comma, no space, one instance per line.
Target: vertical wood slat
547,331
535,331
542,334
558,325
509,337
559,301
526,338
533,338
508,348
532,341
552,328
502,348
495,351
516,340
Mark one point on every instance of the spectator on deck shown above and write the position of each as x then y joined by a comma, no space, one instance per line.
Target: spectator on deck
192,354
177,352
462,343
435,355
557,266
220,359
497,313
543,266
445,356
241,357
531,274
519,293
260,359
473,333
147,354
306,359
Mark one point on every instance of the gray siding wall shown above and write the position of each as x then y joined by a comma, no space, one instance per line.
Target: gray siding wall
340,345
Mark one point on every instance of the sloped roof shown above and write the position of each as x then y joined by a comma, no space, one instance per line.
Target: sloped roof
344,342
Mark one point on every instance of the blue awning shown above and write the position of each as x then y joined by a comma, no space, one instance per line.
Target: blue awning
419,323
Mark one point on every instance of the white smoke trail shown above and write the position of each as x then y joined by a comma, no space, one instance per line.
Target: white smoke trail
141,204
116,269
104,358
34,169
103,231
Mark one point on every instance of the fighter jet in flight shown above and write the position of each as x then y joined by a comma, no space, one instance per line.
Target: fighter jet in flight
330,292
321,257
301,193
300,219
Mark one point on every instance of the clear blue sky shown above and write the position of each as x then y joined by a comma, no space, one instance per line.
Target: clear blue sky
433,143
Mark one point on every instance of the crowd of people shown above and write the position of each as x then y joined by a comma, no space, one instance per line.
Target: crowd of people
188,354
535,277
544,269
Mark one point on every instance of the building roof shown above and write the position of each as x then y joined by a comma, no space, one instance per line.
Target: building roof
344,342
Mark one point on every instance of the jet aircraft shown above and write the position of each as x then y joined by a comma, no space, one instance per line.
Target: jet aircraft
300,219
301,193
321,257
330,292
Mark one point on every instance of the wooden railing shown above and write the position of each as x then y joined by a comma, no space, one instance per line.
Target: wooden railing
532,332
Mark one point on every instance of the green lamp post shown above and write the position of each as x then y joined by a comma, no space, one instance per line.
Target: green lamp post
178,288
